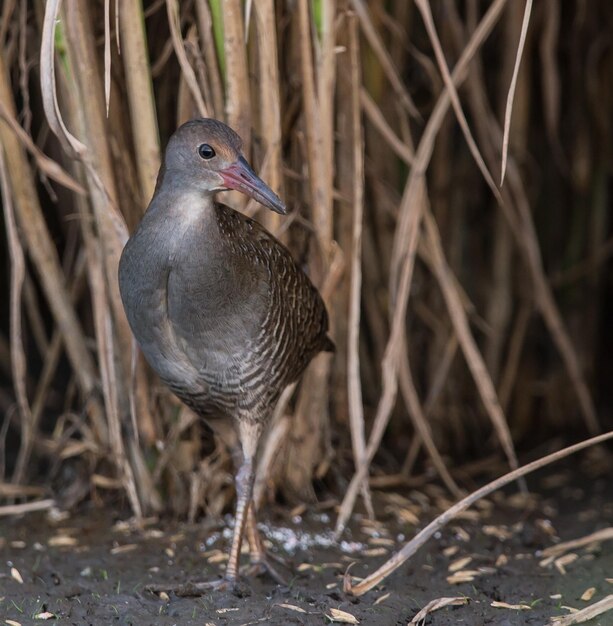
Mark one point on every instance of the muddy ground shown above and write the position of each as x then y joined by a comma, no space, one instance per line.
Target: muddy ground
93,568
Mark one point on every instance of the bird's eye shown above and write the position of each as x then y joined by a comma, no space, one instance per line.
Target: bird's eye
205,151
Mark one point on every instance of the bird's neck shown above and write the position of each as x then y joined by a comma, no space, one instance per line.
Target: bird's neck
181,204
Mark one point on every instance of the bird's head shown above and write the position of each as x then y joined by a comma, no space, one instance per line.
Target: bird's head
208,154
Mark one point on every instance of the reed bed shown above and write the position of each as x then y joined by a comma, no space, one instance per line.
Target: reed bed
448,172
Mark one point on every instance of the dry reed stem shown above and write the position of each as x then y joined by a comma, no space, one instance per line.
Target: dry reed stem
107,364
186,419
69,142
441,373
604,534
24,92
344,182
277,432
418,417
590,265
467,342
551,75
118,233
139,88
406,235
547,304
383,56
40,247
375,116
205,31
12,490
311,416
523,229
426,144
238,92
586,614
473,356
103,251
435,525
498,309
26,507
18,358
324,124
424,8
54,118
411,456
269,101
147,150
388,58
33,314
434,393
312,128
52,355
50,168
112,329
450,293
509,108
8,6
518,335
354,384
51,360
187,72
117,36
107,55
389,373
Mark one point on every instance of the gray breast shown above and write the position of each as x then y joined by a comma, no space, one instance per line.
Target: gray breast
221,310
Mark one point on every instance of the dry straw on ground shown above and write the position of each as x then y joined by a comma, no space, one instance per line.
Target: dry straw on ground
384,126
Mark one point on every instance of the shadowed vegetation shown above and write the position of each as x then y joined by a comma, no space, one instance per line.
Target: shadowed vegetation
471,318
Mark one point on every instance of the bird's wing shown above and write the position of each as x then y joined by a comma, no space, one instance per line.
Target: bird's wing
296,314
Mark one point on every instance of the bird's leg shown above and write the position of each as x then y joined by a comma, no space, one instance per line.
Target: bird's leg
260,558
244,462
244,490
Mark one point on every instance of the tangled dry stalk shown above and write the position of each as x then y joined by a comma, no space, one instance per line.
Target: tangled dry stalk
351,113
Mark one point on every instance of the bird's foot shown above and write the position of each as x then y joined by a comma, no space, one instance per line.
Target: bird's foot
197,588
262,564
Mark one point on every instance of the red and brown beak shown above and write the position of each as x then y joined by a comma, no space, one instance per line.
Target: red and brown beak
241,177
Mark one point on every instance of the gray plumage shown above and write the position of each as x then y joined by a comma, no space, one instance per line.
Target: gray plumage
219,307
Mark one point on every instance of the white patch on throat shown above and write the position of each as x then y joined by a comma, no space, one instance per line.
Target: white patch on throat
192,207
191,213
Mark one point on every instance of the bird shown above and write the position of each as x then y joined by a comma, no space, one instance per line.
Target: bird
219,307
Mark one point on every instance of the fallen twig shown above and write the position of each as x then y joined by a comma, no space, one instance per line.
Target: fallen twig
422,537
